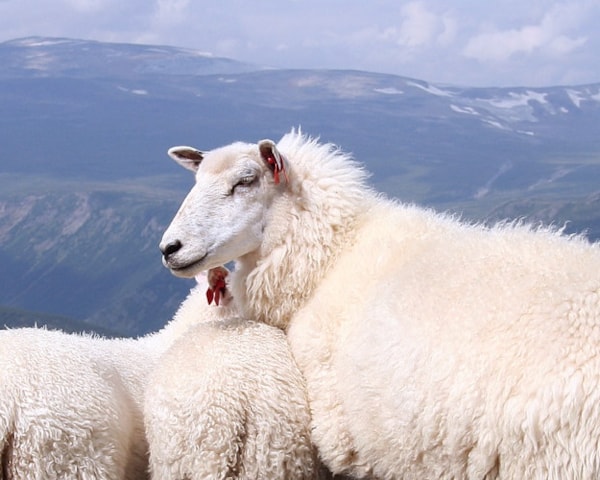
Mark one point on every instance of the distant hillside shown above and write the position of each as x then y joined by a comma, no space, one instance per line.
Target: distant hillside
68,57
575,215
89,251
15,318
86,188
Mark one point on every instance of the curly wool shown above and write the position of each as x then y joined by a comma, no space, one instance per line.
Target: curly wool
72,405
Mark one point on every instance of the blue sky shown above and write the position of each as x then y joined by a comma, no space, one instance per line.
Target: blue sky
460,42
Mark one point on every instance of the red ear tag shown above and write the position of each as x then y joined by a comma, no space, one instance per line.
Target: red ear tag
278,166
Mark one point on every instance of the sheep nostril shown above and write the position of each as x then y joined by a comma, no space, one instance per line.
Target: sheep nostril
170,248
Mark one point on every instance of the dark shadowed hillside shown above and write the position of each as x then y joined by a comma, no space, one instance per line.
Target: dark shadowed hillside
15,318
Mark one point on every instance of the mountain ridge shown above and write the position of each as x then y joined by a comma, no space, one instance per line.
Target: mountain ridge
89,58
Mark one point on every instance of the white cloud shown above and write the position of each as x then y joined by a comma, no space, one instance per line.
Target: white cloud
562,44
551,35
169,11
418,25
88,6
449,31
421,27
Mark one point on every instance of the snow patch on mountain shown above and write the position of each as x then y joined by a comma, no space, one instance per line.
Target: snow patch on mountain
388,91
519,99
431,89
556,175
495,123
584,95
135,91
13,215
467,110
487,187
576,97
80,214
39,42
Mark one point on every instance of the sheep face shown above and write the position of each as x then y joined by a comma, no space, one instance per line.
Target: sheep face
224,215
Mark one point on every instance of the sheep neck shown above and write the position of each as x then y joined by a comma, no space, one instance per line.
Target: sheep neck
271,284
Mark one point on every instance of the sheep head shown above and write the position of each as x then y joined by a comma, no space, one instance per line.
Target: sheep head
224,215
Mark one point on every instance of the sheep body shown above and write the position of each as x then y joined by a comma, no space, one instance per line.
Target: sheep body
477,354
209,415
431,348
70,408
72,405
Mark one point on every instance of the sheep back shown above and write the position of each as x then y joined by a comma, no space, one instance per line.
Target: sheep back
456,351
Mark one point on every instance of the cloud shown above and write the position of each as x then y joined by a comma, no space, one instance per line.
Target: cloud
563,45
85,5
449,30
549,36
418,25
170,11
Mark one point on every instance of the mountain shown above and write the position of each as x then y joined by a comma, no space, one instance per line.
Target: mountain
88,250
86,188
14,318
85,59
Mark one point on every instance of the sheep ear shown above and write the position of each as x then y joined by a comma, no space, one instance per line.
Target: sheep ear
187,157
274,158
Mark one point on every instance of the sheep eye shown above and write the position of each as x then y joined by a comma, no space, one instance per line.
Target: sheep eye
244,182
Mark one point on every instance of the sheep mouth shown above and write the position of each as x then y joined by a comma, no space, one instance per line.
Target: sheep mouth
187,270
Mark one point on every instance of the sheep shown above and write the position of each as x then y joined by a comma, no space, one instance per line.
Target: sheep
228,401
72,405
431,347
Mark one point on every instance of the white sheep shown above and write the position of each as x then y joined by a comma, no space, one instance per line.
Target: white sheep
431,348
72,405
227,401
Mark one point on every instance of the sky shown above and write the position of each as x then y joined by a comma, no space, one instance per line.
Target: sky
457,42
